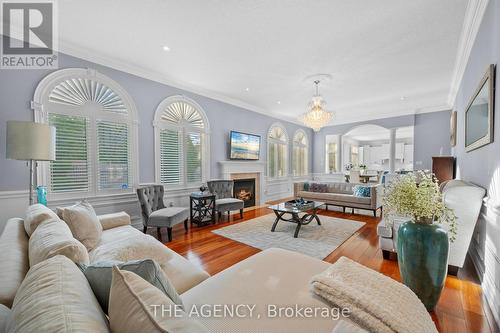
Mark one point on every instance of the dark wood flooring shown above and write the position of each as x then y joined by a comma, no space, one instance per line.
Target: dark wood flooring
461,308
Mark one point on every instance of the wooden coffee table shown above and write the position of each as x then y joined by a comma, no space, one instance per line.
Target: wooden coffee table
281,210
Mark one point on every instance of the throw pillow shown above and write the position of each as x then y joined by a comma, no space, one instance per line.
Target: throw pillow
4,317
306,186
83,223
362,191
56,297
137,306
35,215
52,238
99,276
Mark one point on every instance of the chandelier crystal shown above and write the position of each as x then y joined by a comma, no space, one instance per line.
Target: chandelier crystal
316,117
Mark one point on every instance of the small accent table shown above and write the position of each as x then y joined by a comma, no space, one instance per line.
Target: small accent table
202,208
309,210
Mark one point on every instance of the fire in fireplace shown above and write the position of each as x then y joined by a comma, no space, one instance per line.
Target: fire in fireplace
244,189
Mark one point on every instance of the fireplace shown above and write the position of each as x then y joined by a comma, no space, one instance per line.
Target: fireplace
244,189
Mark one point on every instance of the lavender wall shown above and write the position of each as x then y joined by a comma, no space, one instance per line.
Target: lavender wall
482,166
17,88
432,136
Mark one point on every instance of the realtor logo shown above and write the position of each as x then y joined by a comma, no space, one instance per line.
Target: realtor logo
28,35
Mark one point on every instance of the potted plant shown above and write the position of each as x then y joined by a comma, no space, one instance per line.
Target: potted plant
422,242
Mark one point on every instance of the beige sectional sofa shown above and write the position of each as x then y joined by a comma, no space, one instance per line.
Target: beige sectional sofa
54,295
341,194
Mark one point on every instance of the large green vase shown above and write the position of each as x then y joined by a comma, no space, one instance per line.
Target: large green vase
423,260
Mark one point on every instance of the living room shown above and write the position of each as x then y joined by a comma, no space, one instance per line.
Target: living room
239,158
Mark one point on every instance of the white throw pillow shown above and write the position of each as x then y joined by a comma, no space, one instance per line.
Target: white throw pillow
35,215
4,317
83,223
52,238
56,297
132,304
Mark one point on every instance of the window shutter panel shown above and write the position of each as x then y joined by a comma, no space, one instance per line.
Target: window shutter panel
193,157
113,155
170,157
70,171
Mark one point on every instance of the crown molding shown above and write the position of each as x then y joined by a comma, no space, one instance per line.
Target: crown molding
473,17
74,50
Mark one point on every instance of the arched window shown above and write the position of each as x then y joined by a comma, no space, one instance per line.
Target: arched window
181,140
277,147
96,133
300,153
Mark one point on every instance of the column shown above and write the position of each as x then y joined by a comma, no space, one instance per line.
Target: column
339,153
392,150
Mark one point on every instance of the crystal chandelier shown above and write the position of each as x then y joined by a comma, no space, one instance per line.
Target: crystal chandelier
316,117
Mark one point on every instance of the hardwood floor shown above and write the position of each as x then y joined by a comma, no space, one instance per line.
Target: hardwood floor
461,308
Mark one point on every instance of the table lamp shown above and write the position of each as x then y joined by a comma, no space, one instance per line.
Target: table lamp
32,142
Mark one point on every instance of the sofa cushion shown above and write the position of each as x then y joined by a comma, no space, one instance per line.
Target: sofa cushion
133,307
229,204
273,276
168,217
4,316
99,276
14,261
362,191
35,215
52,238
56,297
83,223
126,243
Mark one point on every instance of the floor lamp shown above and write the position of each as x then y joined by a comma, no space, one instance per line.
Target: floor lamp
32,142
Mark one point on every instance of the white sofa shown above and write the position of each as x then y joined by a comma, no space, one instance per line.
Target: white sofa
54,293
119,241
466,200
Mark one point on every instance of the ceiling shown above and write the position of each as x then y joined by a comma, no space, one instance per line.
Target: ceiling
376,133
386,57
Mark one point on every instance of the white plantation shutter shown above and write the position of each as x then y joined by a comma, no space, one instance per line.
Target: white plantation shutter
70,171
278,151
180,132
193,157
113,156
170,157
95,122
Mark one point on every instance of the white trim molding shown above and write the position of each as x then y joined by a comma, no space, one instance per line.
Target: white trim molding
474,14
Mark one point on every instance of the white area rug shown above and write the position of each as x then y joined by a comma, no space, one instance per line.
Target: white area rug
314,240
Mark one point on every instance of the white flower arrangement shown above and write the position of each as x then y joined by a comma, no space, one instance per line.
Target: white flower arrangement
417,195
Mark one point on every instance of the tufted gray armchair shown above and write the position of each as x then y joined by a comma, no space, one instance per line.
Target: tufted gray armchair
155,214
224,200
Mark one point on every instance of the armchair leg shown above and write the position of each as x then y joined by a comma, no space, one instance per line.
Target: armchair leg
145,229
169,233
343,210
186,224
228,215
374,213
241,213
158,230
386,254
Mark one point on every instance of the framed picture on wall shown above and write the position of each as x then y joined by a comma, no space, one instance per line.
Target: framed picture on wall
480,112
453,129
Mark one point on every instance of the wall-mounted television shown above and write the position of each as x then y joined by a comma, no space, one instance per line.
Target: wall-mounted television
244,146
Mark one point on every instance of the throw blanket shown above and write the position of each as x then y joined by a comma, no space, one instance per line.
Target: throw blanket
376,302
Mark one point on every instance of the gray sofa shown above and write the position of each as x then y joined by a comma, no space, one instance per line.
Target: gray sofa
341,195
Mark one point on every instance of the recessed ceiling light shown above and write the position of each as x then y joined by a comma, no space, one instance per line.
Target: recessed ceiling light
247,89
402,98
166,48
279,102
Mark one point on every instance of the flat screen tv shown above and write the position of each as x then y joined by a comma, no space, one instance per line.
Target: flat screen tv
244,146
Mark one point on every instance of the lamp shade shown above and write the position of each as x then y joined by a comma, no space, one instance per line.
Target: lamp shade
27,140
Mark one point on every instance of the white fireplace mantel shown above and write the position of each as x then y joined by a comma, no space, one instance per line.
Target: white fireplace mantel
229,167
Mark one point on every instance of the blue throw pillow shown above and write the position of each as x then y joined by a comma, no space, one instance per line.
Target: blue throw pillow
99,277
362,191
